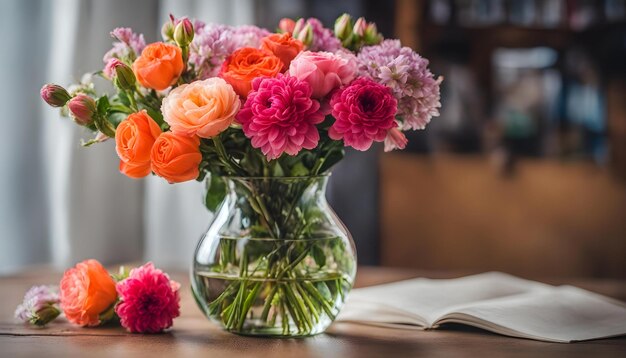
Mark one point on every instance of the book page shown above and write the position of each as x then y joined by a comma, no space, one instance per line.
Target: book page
422,301
561,314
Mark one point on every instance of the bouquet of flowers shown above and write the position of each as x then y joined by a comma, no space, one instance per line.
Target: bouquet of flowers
241,106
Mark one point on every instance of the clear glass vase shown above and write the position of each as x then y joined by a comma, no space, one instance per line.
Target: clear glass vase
276,261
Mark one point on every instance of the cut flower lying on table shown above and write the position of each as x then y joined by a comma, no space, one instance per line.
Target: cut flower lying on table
142,300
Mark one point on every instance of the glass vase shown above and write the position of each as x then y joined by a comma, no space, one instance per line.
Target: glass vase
276,261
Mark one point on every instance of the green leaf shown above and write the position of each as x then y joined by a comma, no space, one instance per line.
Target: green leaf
102,105
299,170
333,158
318,255
216,192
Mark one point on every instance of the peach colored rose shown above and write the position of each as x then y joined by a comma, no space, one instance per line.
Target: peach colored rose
246,64
282,46
86,291
202,108
175,157
134,138
159,66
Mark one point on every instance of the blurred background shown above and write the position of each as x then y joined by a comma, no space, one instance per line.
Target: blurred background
523,172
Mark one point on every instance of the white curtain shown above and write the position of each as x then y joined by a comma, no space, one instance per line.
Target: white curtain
60,203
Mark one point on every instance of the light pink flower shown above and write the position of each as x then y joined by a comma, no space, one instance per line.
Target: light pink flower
395,140
109,68
149,300
364,112
323,71
280,116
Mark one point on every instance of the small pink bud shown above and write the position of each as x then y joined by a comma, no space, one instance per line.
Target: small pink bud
109,68
306,35
183,32
395,140
359,27
83,108
167,31
54,95
371,36
297,28
286,25
343,27
101,137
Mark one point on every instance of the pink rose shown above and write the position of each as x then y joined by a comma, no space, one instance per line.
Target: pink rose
323,71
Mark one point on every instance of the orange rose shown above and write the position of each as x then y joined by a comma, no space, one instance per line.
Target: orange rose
87,290
159,66
282,46
134,138
246,64
176,158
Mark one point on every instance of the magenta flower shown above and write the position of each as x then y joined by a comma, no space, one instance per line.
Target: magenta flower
280,116
149,300
364,112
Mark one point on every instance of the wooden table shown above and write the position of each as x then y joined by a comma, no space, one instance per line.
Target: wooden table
193,335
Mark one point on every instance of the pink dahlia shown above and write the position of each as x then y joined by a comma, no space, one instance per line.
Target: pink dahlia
149,300
280,116
364,112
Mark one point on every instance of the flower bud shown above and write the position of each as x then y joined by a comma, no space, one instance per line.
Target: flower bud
286,25
343,26
306,35
54,95
125,77
83,108
183,32
167,31
297,28
359,27
371,35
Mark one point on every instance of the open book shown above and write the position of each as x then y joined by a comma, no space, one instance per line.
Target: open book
494,301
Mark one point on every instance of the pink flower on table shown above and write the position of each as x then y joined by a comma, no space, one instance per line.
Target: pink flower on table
280,116
323,71
149,300
364,112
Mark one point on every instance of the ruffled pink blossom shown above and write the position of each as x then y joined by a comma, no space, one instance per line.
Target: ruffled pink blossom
149,300
323,71
128,44
280,116
364,112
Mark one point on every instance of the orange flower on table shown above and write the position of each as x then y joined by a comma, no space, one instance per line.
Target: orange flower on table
176,158
134,138
87,290
282,46
246,64
203,108
159,65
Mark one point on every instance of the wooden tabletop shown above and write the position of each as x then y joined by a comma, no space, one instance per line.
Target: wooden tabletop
193,335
